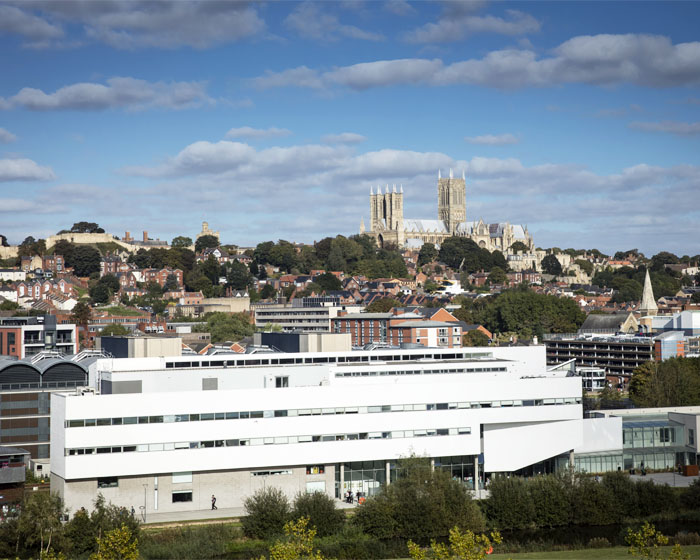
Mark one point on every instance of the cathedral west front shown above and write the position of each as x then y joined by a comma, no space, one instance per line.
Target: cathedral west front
389,227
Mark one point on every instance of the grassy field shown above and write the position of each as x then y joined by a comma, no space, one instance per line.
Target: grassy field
616,553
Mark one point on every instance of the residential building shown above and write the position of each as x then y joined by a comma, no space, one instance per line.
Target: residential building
332,421
13,473
22,337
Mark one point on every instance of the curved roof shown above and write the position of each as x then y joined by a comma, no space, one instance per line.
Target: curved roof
50,369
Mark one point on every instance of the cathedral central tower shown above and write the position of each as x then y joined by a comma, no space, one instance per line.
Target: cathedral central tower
452,201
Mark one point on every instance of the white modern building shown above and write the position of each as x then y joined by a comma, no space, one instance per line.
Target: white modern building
167,433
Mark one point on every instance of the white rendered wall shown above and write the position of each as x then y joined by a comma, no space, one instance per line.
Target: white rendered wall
601,435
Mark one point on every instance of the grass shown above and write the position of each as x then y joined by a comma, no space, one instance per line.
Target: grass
615,553
119,310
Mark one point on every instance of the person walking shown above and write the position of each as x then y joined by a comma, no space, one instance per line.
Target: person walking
213,502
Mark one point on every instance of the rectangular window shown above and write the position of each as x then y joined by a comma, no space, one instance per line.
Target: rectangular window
182,477
691,436
281,382
108,482
182,496
316,469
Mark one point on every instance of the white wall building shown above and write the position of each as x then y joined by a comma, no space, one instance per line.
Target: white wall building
167,433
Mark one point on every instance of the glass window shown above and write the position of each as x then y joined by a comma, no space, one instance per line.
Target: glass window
182,496
108,482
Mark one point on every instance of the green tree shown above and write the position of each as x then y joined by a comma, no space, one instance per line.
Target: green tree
382,305
321,512
328,282
117,544
422,503
428,253
268,292
551,265
519,247
646,543
8,305
238,275
226,328
39,522
206,242
171,283
86,227
673,382
297,544
86,260
114,329
497,276
100,293
475,338
586,266
695,298
211,269
462,546
81,316
267,511
181,242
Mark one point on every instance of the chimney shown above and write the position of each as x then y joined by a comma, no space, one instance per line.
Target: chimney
145,236
127,237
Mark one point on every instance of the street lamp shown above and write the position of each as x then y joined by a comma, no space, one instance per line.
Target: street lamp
145,490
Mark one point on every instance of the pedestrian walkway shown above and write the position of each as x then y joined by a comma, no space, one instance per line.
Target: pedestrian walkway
207,514
672,479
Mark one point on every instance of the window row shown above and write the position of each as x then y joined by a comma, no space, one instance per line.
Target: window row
419,372
354,358
244,415
243,442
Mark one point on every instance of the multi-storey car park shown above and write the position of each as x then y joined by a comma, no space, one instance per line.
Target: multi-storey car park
173,431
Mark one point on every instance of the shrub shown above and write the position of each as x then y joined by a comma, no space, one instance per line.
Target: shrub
591,503
655,498
549,500
510,505
267,512
624,492
599,542
321,511
691,496
685,539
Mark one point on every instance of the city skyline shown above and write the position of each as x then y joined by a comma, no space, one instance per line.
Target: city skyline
579,120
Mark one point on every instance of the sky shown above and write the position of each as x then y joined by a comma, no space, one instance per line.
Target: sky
580,120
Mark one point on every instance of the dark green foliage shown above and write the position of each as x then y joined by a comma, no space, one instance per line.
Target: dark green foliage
206,242
519,247
428,253
226,328
461,253
691,497
475,338
171,283
497,276
86,227
86,260
321,511
267,292
422,504
591,503
181,241
509,505
382,305
202,541
30,247
524,312
114,329
328,281
238,275
586,266
551,265
548,495
673,382
266,513
695,298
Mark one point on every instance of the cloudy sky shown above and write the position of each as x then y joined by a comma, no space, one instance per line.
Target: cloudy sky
273,120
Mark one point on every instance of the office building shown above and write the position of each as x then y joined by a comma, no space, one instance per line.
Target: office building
23,337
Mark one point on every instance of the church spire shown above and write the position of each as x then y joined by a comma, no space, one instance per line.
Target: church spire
648,306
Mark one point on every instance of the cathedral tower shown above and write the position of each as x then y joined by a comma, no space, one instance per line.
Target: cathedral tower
386,215
452,201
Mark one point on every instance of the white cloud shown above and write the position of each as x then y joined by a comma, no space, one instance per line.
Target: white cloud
308,21
399,8
648,60
24,170
19,22
6,136
671,127
249,132
493,139
118,93
137,24
344,138
450,28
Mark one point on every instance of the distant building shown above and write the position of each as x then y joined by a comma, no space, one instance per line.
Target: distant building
388,226
613,323
23,337
13,473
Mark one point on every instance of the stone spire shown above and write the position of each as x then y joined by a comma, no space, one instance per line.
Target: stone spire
648,306
362,225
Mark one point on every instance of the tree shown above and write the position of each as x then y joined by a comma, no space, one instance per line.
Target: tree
321,512
551,265
328,282
673,382
224,327
462,546
268,292
30,247
238,276
586,266
81,316
428,253
206,242
475,338
117,544
211,269
86,227
422,503
646,543
267,511
171,283
519,247
497,276
8,305
3,241
100,293
695,298
383,305
181,242
298,544
40,521
86,260
115,329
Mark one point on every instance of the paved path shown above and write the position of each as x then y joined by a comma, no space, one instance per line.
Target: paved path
667,478
207,514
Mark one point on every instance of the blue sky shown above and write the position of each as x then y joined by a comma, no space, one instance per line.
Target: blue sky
580,120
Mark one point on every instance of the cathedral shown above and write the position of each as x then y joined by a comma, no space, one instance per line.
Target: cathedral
389,227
